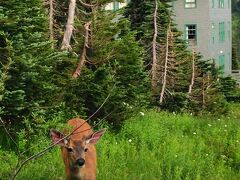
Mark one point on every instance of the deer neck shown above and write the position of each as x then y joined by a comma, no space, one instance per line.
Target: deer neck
75,173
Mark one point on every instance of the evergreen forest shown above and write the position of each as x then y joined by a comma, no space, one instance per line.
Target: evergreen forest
123,70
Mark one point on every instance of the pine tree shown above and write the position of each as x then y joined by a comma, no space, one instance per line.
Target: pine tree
28,87
160,39
103,55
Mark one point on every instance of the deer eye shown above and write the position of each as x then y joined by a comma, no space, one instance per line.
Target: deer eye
70,149
86,149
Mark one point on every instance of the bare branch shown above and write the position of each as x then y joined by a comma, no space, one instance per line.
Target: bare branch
86,5
42,152
9,135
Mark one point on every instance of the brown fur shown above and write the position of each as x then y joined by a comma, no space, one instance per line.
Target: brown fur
88,171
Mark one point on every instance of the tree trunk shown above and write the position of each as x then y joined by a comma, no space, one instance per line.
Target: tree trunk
193,73
84,52
203,92
164,81
69,26
51,14
154,49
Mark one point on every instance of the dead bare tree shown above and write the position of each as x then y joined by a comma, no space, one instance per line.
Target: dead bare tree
51,20
154,70
83,57
166,64
193,72
69,26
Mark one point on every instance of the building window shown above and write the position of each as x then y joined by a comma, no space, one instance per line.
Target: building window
213,33
221,62
229,61
229,31
221,32
115,5
190,3
191,34
221,3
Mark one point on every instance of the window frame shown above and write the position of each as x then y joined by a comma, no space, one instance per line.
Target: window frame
187,33
222,33
221,62
221,4
190,3
213,33
116,5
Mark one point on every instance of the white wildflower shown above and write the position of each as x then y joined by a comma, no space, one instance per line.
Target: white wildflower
223,156
142,113
194,133
225,125
209,125
130,140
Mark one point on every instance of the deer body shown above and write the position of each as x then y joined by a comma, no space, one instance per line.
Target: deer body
78,151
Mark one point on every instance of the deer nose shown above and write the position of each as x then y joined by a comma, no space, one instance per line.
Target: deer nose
80,162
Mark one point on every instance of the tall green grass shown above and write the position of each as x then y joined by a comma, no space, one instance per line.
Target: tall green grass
153,146
166,146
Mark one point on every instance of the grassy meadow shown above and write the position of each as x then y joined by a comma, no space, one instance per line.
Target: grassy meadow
156,145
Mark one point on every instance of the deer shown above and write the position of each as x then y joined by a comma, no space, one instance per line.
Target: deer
78,150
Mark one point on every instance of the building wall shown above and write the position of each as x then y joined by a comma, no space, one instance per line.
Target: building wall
207,17
218,48
184,16
116,5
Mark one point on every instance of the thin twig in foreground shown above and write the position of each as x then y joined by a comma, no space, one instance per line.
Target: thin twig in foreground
20,165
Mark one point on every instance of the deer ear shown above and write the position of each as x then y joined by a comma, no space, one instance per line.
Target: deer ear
95,137
56,136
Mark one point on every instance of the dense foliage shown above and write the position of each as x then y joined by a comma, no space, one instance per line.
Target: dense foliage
37,79
166,145
206,94
38,91
235,34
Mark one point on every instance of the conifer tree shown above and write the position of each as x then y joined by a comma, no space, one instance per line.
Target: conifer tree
160,39
28,87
